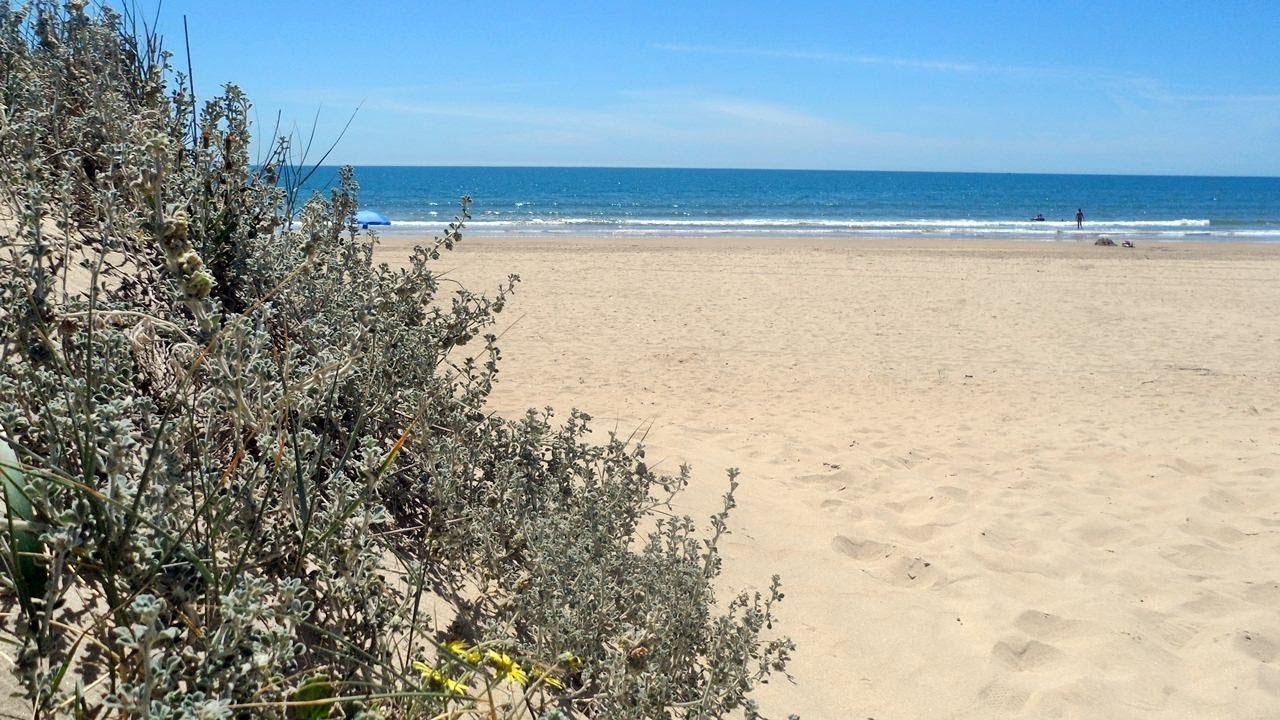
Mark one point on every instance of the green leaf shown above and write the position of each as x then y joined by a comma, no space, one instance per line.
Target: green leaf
56,681
313,690
25,547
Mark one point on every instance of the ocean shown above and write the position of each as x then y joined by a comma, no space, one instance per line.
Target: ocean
520,201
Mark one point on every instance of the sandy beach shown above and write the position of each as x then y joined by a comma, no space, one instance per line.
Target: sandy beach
841,257
1007,479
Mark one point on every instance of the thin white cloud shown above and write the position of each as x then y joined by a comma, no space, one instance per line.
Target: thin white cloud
828,57
760,113
831,57
543,116
935,65
1139,86
653,113
1262,99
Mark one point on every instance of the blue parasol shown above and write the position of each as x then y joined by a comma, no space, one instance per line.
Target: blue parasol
368,217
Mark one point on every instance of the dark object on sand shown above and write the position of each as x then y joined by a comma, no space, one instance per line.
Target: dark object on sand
1104,241
1127,243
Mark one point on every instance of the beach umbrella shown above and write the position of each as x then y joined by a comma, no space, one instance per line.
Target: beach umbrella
369,217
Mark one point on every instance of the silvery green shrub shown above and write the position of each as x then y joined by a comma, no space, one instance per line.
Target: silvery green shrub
241,459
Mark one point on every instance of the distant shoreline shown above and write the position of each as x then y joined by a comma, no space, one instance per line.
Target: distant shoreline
1086,236
782,203
396,245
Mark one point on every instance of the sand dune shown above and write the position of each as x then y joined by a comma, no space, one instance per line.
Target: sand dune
999,479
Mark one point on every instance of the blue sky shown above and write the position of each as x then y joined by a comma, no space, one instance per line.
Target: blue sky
1108,87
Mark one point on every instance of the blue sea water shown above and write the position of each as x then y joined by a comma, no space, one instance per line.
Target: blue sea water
795,203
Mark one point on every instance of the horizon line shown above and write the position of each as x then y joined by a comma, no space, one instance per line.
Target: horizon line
575,166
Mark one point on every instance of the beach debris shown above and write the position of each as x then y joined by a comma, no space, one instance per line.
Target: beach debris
1104,240
1127,243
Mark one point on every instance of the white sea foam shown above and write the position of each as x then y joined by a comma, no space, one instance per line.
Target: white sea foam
808,222
1173,228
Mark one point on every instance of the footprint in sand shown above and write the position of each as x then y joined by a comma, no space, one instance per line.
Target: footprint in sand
914,504
1212,604
1100,532
1168,631
1222,501
1012,540
1046,625
1199,558
861,550
1256,646
1263,593
1188,468
918,533
907,572
1218,532
1000,696
889,565
1019,654
952,492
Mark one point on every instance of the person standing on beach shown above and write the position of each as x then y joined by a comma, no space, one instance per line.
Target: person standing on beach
1079,218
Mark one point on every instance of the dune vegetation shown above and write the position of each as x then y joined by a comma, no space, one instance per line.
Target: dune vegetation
249,472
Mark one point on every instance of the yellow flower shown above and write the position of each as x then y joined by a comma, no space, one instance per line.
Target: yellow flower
573,662
546,677
506,667
439,680
459,649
